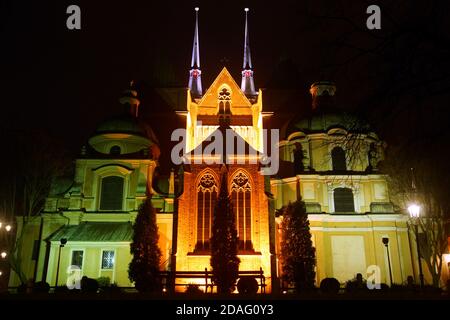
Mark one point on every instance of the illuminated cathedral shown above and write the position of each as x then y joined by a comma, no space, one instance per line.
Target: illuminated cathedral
346,196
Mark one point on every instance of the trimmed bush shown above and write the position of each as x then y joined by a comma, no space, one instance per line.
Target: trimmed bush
330,285
62,289
104,282
193,289
247,285
358,284
41,287
89,285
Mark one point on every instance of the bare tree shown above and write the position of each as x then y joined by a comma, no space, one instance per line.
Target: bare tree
35,163
432,196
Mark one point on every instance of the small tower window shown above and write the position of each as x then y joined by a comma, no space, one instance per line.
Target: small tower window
115,150
111,196
224,102
338,159
343,200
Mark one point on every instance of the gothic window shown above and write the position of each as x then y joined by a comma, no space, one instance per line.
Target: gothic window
206,201
338,159
241,199
343,200
111,195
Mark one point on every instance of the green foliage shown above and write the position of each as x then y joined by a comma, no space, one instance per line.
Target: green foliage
104,282
224,259
297,252
144,266
358,284
89,285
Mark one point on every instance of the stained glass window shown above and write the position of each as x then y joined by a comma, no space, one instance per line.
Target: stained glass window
206,200
241,199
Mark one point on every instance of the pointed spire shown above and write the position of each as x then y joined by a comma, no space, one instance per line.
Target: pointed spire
247,57
195,61
247,83
195,81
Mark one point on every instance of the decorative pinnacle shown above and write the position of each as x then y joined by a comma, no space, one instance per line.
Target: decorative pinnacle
195,84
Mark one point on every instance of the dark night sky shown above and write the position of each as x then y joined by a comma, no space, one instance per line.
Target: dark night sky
64,82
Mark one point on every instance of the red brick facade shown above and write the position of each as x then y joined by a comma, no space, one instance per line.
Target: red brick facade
187,258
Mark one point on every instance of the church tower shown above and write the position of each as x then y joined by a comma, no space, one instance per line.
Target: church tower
224,125
195,80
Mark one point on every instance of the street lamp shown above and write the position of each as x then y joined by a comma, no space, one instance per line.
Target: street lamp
414,210
386,244
447,258
63,241
414,213
8,228
447,261
3,254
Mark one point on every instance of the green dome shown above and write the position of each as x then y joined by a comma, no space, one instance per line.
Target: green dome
324,121
122,124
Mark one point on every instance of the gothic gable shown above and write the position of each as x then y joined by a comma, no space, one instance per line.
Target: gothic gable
240,105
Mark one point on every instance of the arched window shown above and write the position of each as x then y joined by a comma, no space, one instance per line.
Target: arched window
343,200
115,150
338,159
111,195
242,203
206,201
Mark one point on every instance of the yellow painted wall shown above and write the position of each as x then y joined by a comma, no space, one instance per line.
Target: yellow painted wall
91,262
326,230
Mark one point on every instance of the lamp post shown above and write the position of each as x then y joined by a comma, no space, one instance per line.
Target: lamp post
63,241
447,261
386,244
414,213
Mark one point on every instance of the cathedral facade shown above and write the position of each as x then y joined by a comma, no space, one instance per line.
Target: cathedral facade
328,159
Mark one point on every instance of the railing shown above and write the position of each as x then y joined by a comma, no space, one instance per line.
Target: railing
172,277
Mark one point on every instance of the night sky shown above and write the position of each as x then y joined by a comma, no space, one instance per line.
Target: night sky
61,83
64,82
